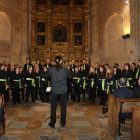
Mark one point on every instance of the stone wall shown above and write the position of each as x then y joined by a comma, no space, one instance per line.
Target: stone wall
14,31
135,27
108,22
112,23
113,48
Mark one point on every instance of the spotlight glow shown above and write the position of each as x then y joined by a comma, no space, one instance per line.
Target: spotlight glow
127,2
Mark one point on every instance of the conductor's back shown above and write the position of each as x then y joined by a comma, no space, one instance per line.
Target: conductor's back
58,76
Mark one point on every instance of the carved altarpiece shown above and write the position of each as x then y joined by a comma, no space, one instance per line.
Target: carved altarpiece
59,27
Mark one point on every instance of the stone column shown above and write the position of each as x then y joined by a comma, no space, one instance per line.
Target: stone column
26,32
135,27
48,28
71,35
85,30
94,46
71,27
33,37
33,20
86,12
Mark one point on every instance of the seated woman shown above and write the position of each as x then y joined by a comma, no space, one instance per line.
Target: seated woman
137,90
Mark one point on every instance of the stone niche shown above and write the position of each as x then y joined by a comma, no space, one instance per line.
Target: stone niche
5,37
13,31
112,25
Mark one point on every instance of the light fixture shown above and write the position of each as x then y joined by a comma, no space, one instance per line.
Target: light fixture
127,2
126,20
126,36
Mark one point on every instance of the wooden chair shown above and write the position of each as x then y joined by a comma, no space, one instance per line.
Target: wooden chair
123,116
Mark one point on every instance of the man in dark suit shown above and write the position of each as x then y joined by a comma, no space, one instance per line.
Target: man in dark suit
72,65
27,65
123,91
85,67
137,74
48,63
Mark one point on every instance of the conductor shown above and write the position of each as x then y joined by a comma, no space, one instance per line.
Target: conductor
58,75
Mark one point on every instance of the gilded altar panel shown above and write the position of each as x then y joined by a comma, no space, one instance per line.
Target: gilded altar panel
59,28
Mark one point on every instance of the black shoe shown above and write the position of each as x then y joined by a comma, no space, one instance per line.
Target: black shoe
103,110
122,121
63,125
51,125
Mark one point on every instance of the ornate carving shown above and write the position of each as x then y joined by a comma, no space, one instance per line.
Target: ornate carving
60,2
57,25
41,1
78,2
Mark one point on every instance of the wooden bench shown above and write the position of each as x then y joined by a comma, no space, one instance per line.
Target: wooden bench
114,110
136,124
2,105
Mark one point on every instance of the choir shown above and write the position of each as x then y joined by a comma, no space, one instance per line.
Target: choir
30,81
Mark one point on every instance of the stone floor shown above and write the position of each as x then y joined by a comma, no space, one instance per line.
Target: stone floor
30,122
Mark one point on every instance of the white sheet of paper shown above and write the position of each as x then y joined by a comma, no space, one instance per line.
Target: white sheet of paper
48,89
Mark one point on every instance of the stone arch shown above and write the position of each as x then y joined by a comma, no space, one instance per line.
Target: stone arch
113,50
5,36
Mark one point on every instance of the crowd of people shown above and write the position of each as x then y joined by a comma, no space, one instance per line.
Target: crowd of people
94,81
